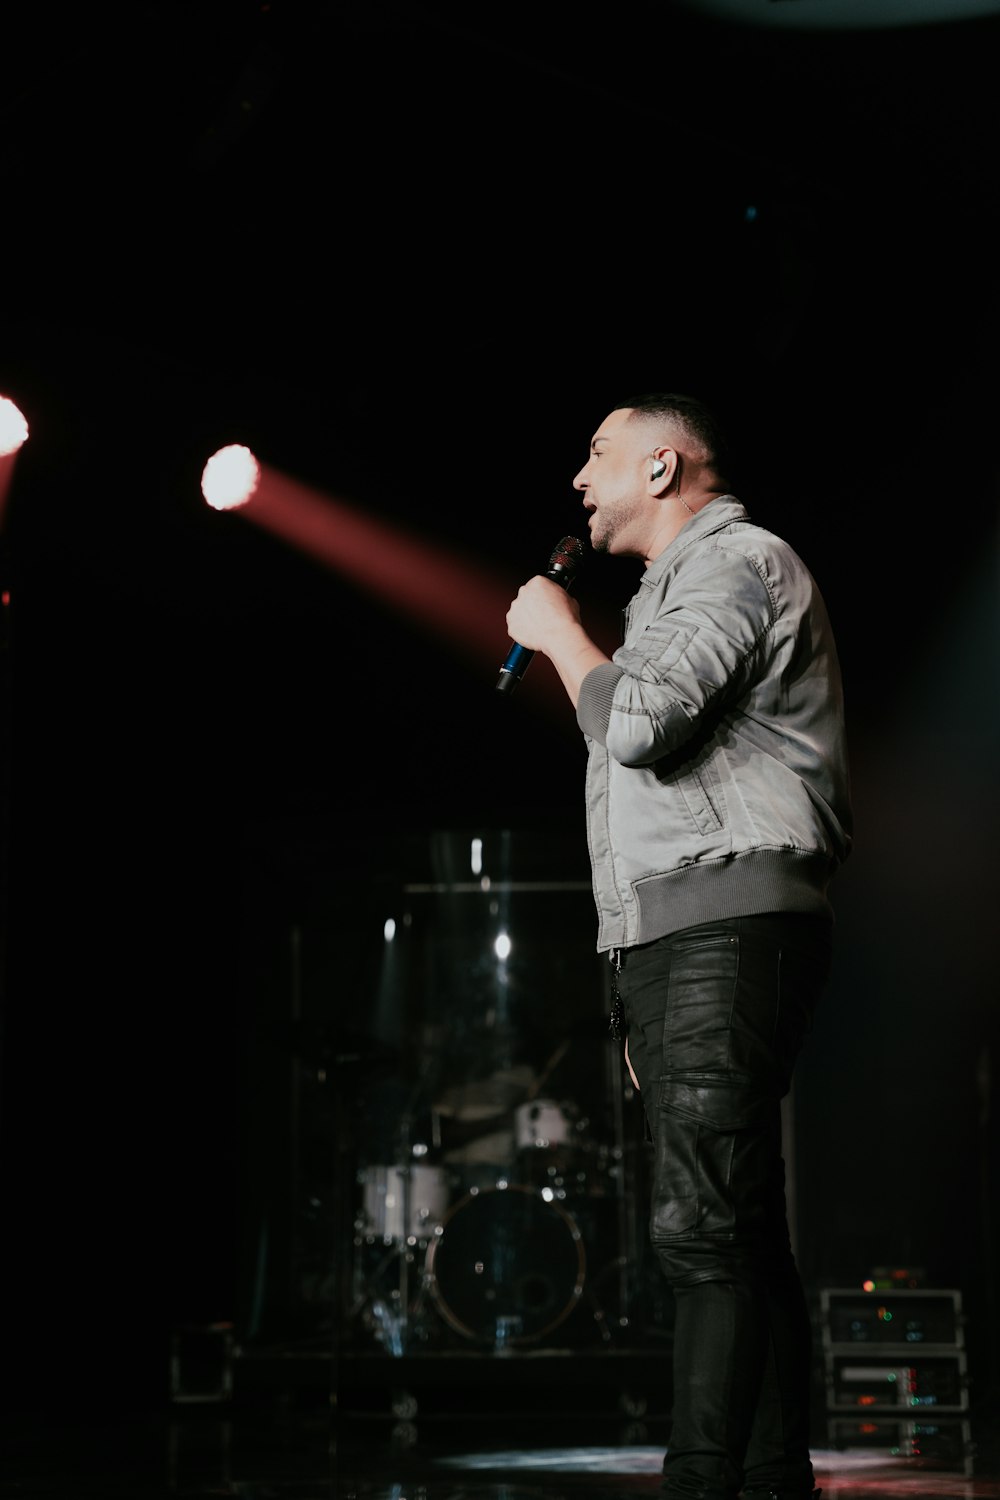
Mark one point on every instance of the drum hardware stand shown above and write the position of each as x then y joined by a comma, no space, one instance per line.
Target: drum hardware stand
549,1068
590,1290
394,1315
396,1325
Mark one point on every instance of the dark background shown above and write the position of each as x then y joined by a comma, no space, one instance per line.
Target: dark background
411,255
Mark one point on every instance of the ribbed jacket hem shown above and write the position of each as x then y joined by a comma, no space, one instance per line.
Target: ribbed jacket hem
742,885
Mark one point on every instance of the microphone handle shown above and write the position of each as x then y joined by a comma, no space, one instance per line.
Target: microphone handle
518,657
514,667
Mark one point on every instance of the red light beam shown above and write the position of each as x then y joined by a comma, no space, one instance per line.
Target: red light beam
451,595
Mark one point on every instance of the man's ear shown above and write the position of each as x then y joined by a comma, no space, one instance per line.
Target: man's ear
663,468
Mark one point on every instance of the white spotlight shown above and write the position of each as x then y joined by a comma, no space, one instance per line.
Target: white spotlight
13,428
230,478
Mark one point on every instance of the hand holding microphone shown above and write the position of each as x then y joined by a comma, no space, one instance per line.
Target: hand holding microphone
531,607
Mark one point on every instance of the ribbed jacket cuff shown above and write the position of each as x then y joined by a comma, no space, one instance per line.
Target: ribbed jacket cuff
597,693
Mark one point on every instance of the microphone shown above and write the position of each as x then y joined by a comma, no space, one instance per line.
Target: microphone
564,564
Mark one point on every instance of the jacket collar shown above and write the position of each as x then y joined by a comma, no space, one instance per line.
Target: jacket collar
715,516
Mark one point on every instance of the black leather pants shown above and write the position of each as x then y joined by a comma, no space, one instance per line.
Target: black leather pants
716,1016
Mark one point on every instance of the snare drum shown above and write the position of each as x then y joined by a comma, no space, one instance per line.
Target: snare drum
393,1197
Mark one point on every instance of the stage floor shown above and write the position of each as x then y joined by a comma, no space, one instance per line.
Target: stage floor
276,1451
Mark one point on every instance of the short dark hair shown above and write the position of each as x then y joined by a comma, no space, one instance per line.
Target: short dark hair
696,420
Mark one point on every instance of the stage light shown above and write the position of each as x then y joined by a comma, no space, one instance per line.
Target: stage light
230,478
13,428
13,436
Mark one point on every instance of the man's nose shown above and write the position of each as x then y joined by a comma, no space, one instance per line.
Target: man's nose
580,482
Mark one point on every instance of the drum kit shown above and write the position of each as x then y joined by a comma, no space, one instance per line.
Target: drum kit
491,1232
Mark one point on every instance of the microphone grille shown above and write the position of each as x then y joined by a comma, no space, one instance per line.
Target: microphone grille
567,555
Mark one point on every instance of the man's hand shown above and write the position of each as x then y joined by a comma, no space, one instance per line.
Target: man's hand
544,617
538,612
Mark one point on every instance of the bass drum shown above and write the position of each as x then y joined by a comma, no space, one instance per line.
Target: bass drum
506,1266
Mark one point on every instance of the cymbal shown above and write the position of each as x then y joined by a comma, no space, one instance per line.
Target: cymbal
493,1145
486,1098
456,1133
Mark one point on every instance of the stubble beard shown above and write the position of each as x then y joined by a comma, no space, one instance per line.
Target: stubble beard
612,519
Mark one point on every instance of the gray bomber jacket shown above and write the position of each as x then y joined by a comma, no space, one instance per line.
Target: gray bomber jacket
717,776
